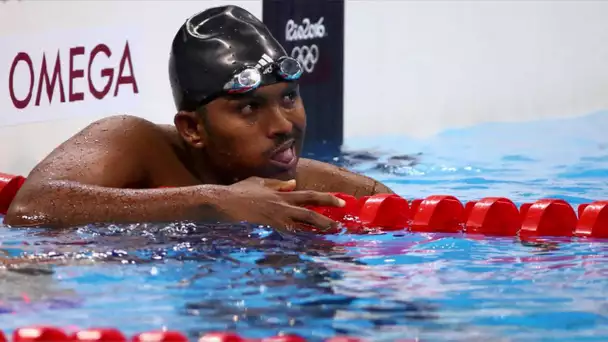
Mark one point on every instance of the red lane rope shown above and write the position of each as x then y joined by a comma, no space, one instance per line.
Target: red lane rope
497,216
9,185
443,214
54,334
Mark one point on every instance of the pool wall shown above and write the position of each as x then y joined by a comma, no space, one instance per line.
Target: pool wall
410,68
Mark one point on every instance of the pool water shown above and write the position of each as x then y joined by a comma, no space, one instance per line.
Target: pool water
260,282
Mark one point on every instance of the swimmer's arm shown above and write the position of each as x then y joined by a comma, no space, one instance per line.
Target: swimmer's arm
93,176
324,177
69,203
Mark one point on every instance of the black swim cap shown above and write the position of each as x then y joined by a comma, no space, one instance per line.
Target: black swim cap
210,47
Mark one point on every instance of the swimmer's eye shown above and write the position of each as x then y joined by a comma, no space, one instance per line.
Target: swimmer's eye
248,108
289,99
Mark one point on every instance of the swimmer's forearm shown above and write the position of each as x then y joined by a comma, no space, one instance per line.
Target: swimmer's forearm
65,203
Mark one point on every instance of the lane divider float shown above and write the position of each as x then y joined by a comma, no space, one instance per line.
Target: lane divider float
9,185
54,334
442,214
496,216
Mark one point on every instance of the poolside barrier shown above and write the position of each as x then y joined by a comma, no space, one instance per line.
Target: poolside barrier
497,216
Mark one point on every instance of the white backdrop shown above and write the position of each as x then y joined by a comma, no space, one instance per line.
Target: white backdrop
411,67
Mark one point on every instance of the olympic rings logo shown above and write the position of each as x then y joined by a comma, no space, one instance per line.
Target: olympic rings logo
307,56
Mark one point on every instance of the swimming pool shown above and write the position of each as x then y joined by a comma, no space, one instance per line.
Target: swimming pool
399,285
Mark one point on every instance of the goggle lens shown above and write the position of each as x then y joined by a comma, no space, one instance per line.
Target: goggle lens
290,69
251,78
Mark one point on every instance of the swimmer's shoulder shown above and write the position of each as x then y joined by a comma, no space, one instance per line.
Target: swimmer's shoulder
127,137
119,146
123,124
320,176
130,129
155,148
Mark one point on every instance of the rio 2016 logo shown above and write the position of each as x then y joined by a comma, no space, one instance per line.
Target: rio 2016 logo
307,55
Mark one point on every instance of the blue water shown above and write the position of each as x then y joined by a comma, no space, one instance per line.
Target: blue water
260,282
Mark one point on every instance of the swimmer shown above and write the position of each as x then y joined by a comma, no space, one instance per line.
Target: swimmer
232,154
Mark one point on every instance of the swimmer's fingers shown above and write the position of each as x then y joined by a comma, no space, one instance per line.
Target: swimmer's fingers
309,217
313,198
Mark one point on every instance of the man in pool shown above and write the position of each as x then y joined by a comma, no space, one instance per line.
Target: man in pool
232,154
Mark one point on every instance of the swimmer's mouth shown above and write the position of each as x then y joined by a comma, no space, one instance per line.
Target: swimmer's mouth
285,155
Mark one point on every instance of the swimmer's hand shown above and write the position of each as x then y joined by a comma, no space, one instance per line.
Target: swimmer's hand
277,204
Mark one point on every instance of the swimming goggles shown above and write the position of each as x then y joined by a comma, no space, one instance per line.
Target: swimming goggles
251,77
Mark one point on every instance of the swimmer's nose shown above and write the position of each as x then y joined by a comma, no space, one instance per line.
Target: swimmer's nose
279,124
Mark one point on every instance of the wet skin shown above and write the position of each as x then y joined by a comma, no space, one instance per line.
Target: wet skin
106,172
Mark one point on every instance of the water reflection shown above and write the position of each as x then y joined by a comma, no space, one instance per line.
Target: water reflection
259,282
246,278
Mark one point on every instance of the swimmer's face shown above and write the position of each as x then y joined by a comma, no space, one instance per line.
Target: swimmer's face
254,134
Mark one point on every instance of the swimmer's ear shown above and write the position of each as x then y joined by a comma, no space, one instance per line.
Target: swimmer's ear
189,125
